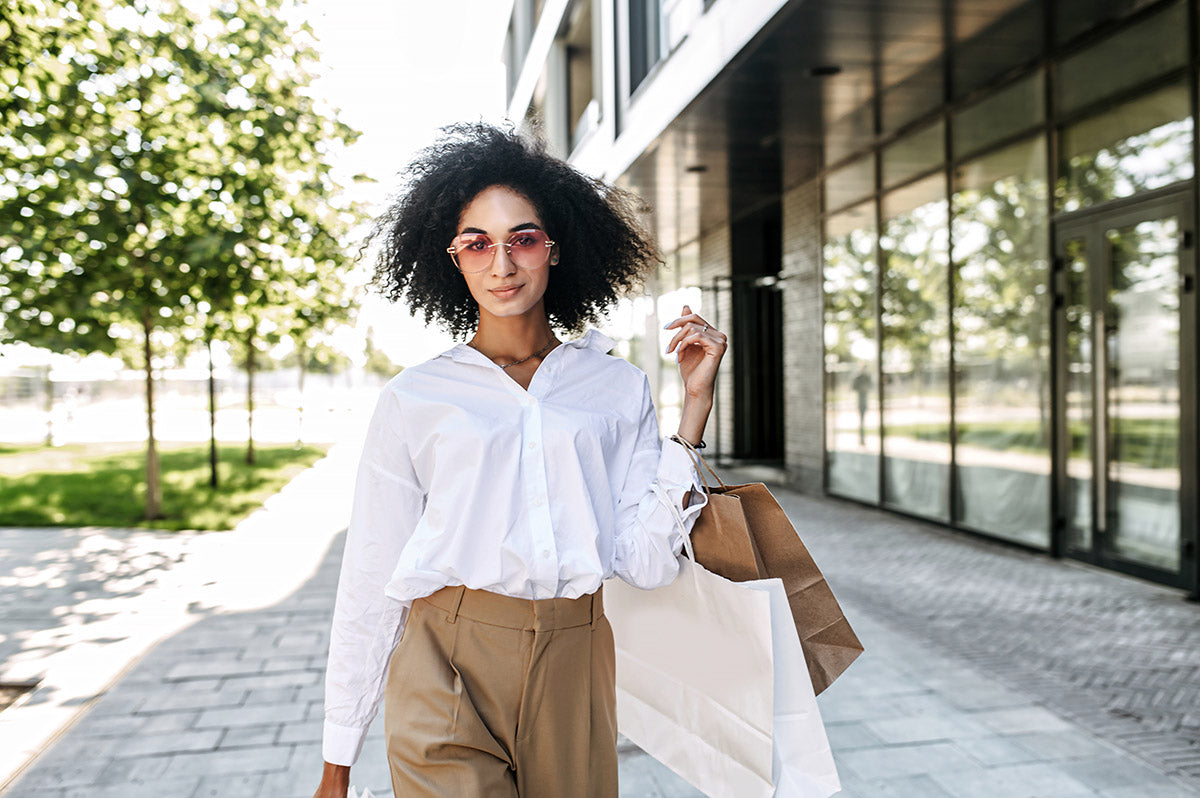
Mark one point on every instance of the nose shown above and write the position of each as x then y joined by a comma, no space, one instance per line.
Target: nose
502,264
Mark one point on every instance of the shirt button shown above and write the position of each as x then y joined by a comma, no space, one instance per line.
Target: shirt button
532,446
537,502
545,552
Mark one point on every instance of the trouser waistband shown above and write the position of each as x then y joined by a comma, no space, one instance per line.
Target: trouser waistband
517,613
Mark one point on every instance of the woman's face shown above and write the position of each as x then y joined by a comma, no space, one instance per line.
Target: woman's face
504,289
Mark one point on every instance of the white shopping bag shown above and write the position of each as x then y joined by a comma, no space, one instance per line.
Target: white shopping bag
711,681
355,794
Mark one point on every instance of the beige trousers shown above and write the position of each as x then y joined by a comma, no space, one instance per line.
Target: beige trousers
493,696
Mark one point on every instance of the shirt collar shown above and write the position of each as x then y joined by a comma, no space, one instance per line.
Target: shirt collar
592,339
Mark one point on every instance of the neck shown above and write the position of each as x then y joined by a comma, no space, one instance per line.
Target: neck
512,337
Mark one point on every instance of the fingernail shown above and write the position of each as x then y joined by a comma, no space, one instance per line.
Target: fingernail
667,326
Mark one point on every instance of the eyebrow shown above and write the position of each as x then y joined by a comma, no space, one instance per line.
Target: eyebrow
522,226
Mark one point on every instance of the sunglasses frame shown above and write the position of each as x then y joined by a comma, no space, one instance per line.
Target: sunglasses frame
453,251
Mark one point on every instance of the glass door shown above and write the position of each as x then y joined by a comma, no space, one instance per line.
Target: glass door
1126,390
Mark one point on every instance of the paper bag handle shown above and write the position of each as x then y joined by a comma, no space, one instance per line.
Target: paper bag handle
697,460
687,539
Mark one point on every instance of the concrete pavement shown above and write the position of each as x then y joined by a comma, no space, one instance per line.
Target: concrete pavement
988,672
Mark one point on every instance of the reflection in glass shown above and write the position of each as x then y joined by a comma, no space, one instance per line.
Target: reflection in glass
914,154
916,349
1141,145
1077,394
990,40
850,183
851,393
1133,55
1010,111
1142,391
1001,326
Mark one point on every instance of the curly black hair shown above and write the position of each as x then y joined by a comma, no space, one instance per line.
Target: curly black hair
603,250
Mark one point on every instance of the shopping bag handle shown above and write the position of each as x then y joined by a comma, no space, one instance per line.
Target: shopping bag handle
687,539
698,460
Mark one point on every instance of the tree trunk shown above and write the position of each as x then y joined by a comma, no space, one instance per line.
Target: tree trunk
153,488
212,417
48,388
303,353
250,398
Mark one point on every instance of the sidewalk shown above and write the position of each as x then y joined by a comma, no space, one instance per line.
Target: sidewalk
988,672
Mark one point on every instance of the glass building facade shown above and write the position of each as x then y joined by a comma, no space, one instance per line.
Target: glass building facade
951,244
1010,334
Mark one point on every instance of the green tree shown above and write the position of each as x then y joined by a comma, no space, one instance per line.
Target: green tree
154,161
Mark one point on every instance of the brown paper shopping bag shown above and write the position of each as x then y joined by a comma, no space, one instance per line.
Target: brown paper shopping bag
743,534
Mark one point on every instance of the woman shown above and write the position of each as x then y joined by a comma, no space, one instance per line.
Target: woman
502,481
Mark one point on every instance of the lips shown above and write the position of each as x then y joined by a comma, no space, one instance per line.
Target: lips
506,291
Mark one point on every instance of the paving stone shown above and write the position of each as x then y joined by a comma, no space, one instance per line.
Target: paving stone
925,728
175,700
846,736
249,785
237,761
309,732
249,736
905,787
169,722
1022,720
170,743
1109,773
269,680
251,715
990,751
1069,744
158,789
905,760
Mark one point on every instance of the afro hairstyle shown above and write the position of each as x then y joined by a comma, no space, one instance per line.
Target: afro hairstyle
603,251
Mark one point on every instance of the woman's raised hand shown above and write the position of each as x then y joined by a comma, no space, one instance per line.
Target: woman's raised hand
698,348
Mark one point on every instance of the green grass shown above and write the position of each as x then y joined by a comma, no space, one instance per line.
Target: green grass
79,486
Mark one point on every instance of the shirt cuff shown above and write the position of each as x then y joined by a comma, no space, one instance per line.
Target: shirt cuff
677,473
341,745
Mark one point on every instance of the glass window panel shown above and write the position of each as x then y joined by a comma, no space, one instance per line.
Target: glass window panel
913,97
916,349
851,356
914,154
1073,17
1141,386
1002,344
1077,394
1141,145
850,183
1130,56
1008,112
850,134
992,37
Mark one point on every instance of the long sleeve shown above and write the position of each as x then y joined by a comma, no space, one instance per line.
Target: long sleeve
648,539
366,623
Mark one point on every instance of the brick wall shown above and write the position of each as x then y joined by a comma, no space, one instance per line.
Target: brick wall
803,345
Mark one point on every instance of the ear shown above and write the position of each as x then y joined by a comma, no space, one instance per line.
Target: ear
554,255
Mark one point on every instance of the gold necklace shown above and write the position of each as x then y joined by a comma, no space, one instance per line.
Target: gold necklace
515,362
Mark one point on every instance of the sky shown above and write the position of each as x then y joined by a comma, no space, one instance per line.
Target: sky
398,70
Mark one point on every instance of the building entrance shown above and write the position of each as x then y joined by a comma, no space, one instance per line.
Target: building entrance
1126,387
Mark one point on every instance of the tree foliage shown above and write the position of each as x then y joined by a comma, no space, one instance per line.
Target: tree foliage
166,171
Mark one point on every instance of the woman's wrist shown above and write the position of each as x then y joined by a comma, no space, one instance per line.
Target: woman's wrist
693,420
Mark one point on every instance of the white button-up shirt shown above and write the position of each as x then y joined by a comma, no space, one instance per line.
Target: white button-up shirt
468,478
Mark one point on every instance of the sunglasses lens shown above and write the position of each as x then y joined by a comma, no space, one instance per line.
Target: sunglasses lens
528,249
473,253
